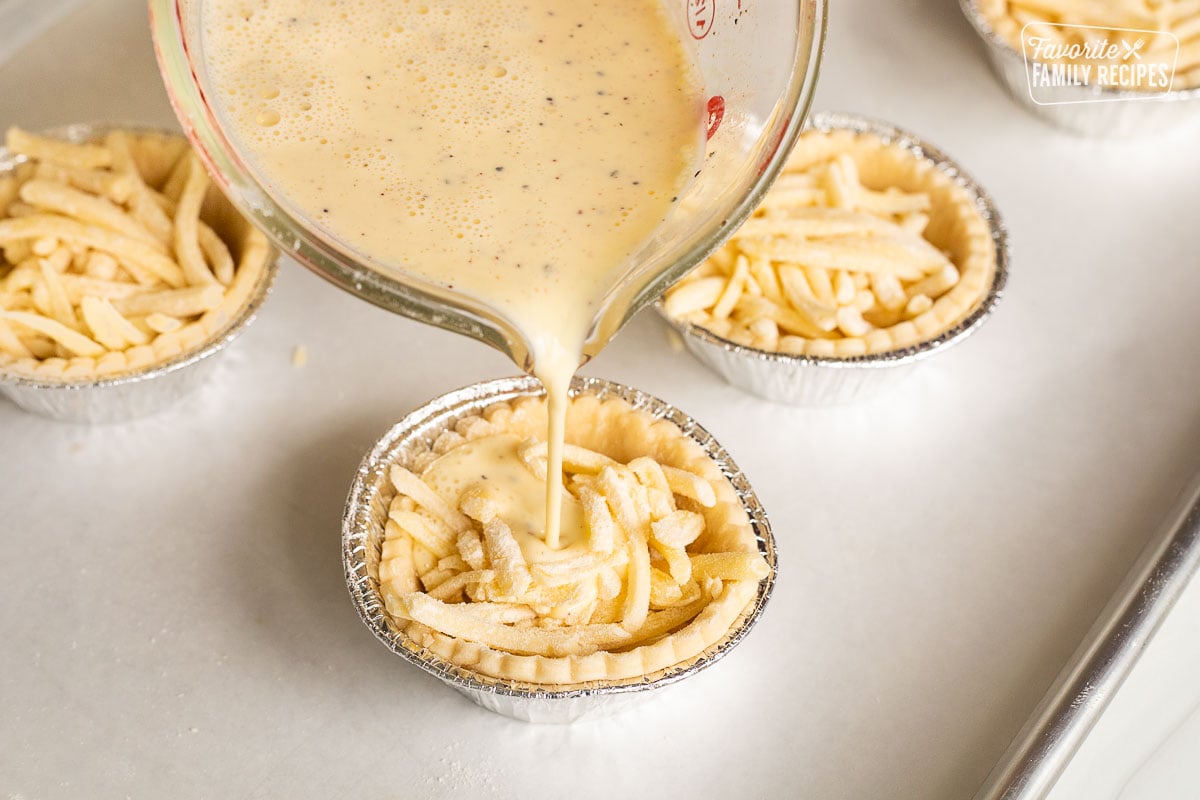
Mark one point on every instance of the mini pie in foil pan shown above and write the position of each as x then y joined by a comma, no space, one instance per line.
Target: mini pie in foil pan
366,513
141,391
1088,110
807,380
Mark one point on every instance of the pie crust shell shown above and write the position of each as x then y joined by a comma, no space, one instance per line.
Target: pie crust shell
251,254
622,432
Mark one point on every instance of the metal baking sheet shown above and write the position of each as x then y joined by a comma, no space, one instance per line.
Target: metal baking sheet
1032,765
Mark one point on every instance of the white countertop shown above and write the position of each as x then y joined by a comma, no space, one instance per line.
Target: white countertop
172,610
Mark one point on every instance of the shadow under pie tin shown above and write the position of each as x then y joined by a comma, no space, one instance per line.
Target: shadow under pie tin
810,380
1089,110
140,390
366,513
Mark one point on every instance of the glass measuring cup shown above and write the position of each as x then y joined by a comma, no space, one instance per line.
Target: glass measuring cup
758,61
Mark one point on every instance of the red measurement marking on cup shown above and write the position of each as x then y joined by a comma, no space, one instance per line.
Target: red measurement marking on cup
716,113
700,16
766,162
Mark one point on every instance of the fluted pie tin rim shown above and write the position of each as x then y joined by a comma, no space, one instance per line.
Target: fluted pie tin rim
140,391
818,380
362,528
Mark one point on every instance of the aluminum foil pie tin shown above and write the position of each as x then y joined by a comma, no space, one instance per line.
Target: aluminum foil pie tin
362,537
1094,111
818,381
139,393
134,393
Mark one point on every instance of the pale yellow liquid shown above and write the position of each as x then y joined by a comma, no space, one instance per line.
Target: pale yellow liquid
520,496
519,153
